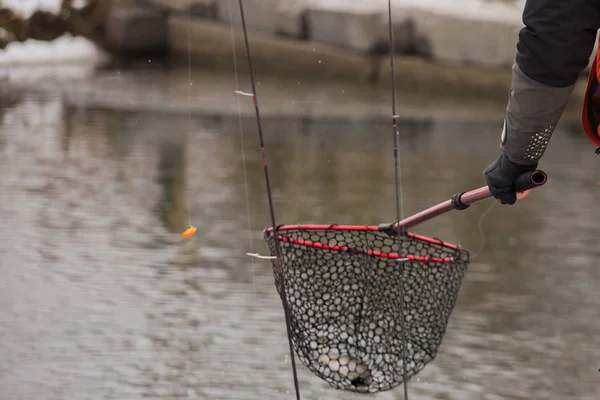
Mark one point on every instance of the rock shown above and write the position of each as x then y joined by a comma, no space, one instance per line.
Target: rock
355,26
196,8
407,40
455,39
446,31
418,75
275,17
211,43
137,30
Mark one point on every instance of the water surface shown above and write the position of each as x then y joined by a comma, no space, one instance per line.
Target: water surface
101,299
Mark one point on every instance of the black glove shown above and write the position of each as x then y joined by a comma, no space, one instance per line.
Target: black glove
500,177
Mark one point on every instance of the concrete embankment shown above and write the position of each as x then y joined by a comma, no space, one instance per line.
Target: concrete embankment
461,49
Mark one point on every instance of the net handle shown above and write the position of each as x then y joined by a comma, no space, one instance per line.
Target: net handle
461,201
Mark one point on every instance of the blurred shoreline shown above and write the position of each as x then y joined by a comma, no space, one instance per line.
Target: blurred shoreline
163,88
312,59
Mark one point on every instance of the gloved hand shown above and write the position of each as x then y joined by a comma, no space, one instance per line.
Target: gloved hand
500,177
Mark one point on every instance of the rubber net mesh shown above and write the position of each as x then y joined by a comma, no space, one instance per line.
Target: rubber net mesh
345,305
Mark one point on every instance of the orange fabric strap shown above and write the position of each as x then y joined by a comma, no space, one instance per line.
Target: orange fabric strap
591,103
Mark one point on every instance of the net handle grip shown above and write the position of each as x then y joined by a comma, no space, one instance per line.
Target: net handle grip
524,182
462,201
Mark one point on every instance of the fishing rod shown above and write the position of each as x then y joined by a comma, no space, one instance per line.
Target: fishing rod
278,260
397,185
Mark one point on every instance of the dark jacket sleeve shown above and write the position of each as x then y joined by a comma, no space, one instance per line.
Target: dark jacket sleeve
553,49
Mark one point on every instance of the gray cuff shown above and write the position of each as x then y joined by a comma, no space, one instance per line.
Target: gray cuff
532,113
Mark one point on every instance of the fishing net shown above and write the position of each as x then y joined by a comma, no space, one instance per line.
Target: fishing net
344,292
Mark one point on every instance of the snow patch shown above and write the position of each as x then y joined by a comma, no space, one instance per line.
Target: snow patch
64,49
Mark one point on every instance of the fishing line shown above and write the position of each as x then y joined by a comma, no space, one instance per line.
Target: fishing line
398,189
189,130
278,261
237,91
480,228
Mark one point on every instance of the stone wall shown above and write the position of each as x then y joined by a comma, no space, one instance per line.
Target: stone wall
473,45
460,32
441,31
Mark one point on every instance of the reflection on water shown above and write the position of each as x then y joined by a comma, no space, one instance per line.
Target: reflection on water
100,299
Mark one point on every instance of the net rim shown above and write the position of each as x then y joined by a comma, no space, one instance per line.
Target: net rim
369,228
373,253
363,228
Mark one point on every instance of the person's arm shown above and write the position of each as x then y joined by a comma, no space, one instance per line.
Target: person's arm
553,49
